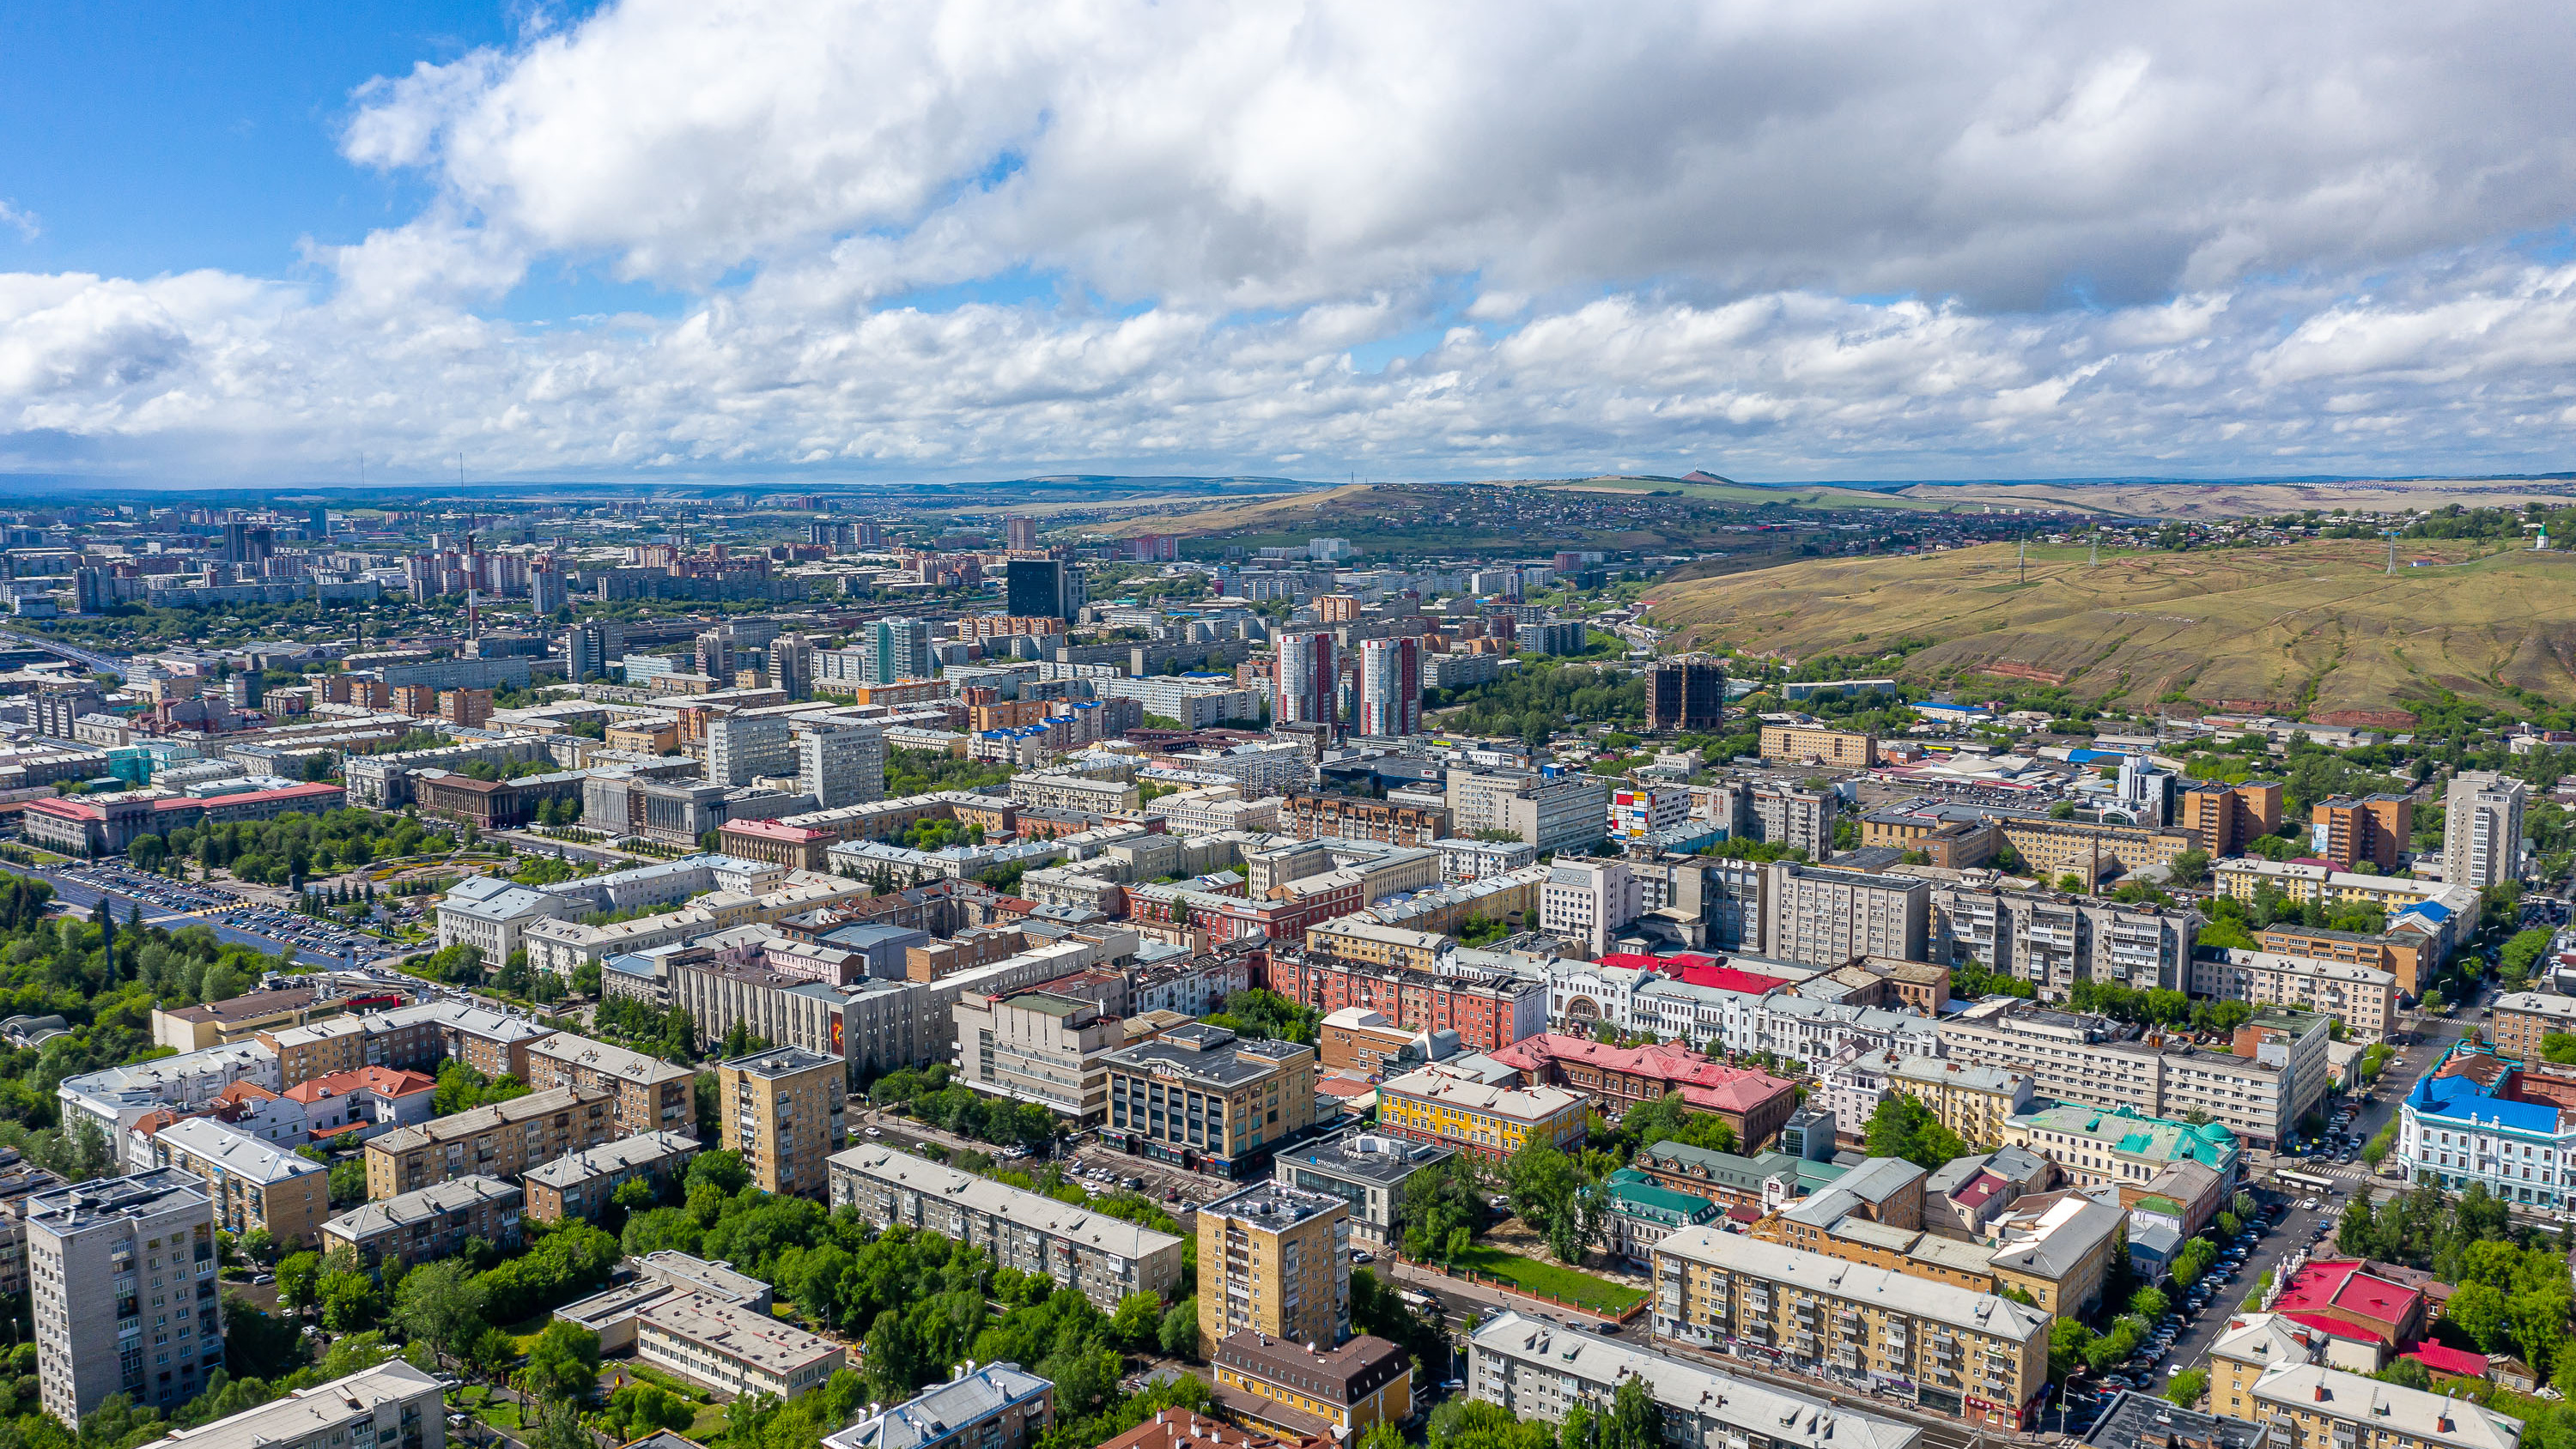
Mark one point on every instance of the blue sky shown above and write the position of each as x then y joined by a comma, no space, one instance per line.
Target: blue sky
691,238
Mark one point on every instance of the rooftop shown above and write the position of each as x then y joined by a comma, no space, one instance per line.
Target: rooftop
1272,1206
737,1333
640,1150
483,1119
779,1062
421,1205
308,1414
1522,1104
2426,1417
113,1199
1080,1225
245,1008
625,1063
2125,1129
1816,1273
1370,1156
936,1413
237,1153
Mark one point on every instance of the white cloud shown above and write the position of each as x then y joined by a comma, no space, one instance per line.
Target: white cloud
1780,241
21,222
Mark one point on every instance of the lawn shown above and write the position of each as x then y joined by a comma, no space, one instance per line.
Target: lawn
1599,1295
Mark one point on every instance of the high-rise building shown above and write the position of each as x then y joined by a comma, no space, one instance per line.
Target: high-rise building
590,648
741,750
548,589
783,1113
902,650
1685,694
248,542
791,665
465,708
1042,588
1391,687
1307,670
2374,828
1823,916
1019,532
842,765
102,1255
2482,829
1275,1259
715,655
2230,818
317,521
1589,901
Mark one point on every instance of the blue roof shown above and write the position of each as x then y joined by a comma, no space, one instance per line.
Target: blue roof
2462,1099
2086,757
2431,910
1953,708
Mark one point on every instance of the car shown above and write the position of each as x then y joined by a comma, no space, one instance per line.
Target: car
1362,1255
873,1132
263,1279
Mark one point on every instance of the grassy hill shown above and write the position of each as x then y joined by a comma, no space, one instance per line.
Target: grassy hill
2314,629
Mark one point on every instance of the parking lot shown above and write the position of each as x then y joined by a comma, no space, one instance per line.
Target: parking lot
232,916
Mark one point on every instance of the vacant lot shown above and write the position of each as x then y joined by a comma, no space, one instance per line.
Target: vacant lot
1599,1295
2312,628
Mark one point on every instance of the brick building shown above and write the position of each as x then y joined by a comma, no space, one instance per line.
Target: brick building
1487,1014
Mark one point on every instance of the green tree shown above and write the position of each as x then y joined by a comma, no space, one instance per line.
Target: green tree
1901,1126
1180,1332
1544,1188
2149,1304
2480,1311
440,1304
2187,1387
1138,1324
563,1363
297,1275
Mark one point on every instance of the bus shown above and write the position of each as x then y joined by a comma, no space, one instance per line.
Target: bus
2307,1182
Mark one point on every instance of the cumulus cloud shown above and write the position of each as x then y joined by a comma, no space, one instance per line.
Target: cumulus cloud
1780,240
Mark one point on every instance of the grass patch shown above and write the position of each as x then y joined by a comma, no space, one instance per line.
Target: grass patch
709,1423
1581,1289
500,1416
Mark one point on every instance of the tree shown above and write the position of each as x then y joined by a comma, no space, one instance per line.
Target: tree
563,1363
297,1276
1180,1332
1439,1204
2149,1304
1902,1126
350,1303
1138,1323
2480,1311
2189,868
2188,1386
1544,1187
440,1304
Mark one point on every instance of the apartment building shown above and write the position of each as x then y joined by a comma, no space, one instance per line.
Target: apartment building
2258,1091
2054,940
501,1140
408,1038
2311,1406
2521,1019
840,764
1981,1357
646,1093
877,1026
1065,790
1460,1110
995,1406
739,1350
2055,1247
433,1223
1344,817
2347,830
1823,916
254,1185
2227,819
1537,1369
1809,744
1102,1257
783,1111
1331,1392
1200,1098
1489,1011
2364,1000
2482,829
1685,694
390,1406
97,1255
2120,1146
1275,1259
579,1186
2408,956
1977,1102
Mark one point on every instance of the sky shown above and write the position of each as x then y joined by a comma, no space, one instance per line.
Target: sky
666,240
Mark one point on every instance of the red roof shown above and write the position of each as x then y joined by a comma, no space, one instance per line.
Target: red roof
2443,1359
1695,968
1629,961
1704,1084
776,830
384,1080
2342,1290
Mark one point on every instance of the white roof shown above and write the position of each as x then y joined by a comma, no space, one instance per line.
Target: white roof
1525,1104
1113,1236
238,1153
307,1414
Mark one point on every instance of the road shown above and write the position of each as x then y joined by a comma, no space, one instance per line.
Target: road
107,663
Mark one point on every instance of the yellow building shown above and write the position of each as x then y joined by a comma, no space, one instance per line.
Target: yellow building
1302,1389
1846,749
1440,1104
1975,1355
1202,1098
782,1111
2275,1375
2050,848
1275,1259
504,1139
1353,939
1974,1101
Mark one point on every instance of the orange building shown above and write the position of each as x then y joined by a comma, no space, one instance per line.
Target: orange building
2230,818
2374,828
465,708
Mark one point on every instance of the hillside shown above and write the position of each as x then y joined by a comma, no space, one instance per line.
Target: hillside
2318,628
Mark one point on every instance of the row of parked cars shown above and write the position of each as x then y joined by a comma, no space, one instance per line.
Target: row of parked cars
2085,1399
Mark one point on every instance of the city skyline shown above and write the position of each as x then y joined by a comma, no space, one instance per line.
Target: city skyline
648,242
